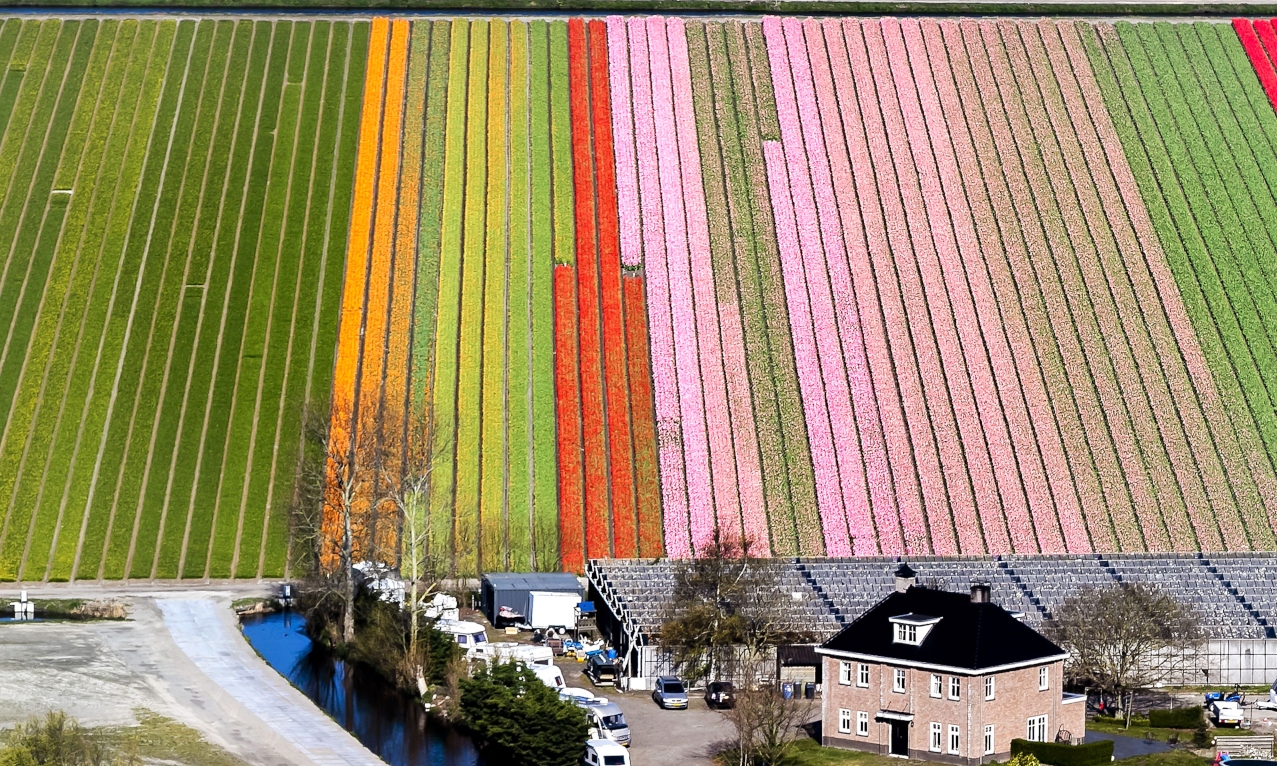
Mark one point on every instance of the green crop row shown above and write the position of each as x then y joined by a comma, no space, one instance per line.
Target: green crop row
1225,251
426,303
227,273
106,141
321,280
444,417
519,470
247,312
470,358
1157,158
161,269
545,474
283,366
164,523
33,247
291,181
177,316
145,80
20,516
561,145
56,333
757,122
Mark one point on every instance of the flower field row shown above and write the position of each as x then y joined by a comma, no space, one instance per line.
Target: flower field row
163,286
628,286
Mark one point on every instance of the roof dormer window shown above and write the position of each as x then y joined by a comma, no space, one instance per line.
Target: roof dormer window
912,629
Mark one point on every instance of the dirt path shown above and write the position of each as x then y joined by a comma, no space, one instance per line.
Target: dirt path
100,672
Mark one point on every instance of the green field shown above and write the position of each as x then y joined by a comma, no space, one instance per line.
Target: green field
170,222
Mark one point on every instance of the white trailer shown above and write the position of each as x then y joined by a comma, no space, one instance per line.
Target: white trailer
548,609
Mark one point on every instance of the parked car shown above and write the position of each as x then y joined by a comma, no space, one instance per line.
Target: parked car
600,670
607,721
602,752
670,693
720,694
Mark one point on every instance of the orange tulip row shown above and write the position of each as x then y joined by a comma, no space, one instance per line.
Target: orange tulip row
352,303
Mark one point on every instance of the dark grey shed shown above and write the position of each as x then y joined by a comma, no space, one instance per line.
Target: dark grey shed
511,589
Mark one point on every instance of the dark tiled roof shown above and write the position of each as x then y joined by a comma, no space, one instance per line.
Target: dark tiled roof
971,636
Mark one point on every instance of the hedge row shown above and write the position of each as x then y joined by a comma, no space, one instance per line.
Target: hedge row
1059,754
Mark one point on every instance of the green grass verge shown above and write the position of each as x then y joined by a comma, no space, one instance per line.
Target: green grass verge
545,455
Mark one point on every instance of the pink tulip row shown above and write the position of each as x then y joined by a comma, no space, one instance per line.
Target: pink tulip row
627,192
1000,497
723,450
1194,461
1159,270
930,422
1060,436
840,480
1123,396
1040,451
669,419
852,282
1118,470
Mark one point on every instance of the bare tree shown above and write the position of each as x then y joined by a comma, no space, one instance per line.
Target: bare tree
766,725
333,474
404,478
727,614
1124,639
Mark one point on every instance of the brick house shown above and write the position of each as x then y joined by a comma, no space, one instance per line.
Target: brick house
946,677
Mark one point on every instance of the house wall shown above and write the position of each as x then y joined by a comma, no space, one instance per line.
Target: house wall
1016,699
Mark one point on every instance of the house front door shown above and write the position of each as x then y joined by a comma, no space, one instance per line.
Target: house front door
899,738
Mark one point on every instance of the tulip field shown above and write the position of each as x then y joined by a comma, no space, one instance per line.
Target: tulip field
629,285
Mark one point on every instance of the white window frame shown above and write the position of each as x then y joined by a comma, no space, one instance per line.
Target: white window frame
955,739
844,721
937,735
844,673
862,675
906,633
1037,729
1044,678
899,681
862,724
990,688
988,739
955,687
937,685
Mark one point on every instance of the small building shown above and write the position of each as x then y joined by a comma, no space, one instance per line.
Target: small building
514,589
941,676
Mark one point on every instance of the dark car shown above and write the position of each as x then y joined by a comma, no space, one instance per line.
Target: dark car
720,694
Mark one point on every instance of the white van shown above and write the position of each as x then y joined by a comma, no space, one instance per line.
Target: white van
467,634
602,752
508,651
550,676
607,721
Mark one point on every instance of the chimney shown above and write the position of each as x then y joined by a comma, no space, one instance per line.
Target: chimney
980,592
905,578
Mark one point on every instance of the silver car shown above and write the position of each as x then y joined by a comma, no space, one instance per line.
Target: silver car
670,693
